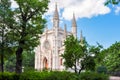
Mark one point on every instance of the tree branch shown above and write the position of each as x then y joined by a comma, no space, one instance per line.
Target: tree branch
32,14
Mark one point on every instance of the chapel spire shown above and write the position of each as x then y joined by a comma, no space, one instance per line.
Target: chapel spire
65,31
81,37
74,26
74,21
56,17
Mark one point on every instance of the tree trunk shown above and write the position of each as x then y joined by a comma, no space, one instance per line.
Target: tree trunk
2,61
19,60
2,52
75,69
20,50
81,69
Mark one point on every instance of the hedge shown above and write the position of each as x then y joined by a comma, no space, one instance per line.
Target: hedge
53,75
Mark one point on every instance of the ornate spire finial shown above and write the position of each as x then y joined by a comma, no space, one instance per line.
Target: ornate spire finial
81,38
74,26
56,15
74,21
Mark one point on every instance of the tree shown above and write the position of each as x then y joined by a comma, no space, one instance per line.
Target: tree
112,58
28,62
112,2
9,64
29,24
79,55
96,52
5,22
92,57
73,54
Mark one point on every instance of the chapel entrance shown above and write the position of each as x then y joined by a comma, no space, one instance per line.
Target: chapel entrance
45,63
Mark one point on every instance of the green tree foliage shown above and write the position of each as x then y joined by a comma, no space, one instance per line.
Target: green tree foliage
28,62
112,2
73,53
6,20
93,57
79,55
10,63
29,24
112,58
53,75
95,51
88,63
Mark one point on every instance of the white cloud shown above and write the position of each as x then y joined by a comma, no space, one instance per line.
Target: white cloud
14,4
81,8
117,11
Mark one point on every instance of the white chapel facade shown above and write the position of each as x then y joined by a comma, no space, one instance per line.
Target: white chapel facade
48,53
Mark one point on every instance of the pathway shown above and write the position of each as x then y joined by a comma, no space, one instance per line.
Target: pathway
114,78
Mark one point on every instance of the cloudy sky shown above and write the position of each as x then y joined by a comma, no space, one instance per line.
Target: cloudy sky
99,23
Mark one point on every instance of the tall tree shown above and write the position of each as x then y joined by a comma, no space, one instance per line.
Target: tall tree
30,24
79,55
96,53
28,62
112,58
74,54
5,23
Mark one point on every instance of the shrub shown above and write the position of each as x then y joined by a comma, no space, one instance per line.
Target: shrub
93,76
56,75
9,76
53,75
102,69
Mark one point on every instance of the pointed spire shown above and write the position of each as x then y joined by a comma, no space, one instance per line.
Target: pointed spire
74,21
81,38
65,31
74,26
56,15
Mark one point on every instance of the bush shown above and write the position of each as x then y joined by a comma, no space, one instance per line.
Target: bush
53,75
114,73
93,76
102,69
9,76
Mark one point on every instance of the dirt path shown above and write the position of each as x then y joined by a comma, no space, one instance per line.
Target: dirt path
114,78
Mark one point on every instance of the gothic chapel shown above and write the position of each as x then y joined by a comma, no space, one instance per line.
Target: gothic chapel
47,54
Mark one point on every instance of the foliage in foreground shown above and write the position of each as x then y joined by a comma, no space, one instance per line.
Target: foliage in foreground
112,57
55,75
115,2
28,62
78,54
20,27
93,76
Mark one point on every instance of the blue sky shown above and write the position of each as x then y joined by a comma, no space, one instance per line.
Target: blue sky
103,28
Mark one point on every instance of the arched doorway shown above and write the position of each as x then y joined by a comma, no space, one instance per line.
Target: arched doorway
45,63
